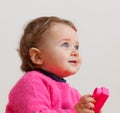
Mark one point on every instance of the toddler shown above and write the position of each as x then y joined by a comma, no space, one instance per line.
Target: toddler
49,50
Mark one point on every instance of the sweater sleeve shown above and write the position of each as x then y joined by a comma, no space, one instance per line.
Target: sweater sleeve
33,96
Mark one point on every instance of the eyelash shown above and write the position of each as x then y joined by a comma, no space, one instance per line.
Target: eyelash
65,44
77,47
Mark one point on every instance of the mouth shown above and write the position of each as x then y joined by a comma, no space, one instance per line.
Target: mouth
73,61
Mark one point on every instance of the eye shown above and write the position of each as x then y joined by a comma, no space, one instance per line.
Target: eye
77,47
65,44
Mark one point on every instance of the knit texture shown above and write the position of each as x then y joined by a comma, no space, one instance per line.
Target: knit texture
37,93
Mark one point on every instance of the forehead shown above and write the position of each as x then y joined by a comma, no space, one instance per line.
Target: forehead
60,30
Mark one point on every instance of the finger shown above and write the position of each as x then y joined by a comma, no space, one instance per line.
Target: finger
87,98
84,111
89,105
89,111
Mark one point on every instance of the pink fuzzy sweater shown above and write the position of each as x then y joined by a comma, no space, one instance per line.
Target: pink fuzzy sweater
37,93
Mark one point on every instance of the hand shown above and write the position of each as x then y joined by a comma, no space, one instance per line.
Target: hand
85,105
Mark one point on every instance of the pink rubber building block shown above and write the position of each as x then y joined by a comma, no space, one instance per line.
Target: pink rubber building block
100,95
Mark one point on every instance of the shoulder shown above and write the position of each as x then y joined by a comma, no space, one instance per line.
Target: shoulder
34,78
29,79
32,74
29,82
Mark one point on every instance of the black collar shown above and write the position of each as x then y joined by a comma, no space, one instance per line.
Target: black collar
51,75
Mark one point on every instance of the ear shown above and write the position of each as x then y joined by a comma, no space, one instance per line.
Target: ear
35,56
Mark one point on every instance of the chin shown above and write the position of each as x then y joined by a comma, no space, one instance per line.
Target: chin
67,74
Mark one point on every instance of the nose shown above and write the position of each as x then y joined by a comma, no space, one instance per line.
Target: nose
75,53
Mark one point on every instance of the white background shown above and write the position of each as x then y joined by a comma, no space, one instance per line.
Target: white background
98,22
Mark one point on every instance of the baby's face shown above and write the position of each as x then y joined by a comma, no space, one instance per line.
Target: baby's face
59,51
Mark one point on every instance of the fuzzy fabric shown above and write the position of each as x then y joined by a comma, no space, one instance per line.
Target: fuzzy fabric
37,93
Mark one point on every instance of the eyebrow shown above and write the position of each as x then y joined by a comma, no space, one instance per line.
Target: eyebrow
67,39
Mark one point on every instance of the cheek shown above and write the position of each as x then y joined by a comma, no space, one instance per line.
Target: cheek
56,55
61,56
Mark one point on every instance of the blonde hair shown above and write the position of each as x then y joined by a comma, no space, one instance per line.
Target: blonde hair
33,32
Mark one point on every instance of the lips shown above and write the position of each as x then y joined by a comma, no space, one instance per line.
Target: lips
73,61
